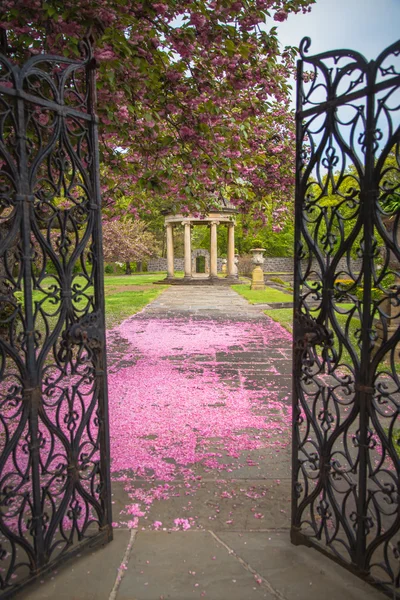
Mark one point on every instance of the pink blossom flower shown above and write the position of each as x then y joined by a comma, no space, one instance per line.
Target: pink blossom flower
133,524
198,20
43,119
184,523
280,15
160,8
123,113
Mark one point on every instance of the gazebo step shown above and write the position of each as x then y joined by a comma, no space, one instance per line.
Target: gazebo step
197,281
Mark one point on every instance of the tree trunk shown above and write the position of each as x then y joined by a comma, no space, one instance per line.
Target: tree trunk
128,270
139,266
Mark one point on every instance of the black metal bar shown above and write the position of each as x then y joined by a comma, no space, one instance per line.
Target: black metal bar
341,100
364,390
62,109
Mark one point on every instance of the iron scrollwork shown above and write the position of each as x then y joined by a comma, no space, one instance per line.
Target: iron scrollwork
54,447
346,390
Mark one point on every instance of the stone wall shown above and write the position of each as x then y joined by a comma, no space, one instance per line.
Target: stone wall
286,264
278,265
271,264
160,264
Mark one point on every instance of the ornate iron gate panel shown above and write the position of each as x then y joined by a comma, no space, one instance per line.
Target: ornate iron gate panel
346,394
54,443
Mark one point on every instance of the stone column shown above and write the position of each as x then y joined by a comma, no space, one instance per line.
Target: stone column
188,249
170,250
213,249
231,250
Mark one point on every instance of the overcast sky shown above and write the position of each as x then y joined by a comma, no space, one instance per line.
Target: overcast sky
367,26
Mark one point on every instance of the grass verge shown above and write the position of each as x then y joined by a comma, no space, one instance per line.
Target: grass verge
121,305
125,295
140,279
283,316
262,296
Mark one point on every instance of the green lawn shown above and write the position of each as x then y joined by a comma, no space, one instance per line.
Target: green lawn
125,295
284,316
140,279
121,305
262,296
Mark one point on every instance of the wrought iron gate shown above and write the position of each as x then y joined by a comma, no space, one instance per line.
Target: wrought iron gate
346,371
54,446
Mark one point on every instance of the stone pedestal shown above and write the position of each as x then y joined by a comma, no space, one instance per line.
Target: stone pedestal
257,276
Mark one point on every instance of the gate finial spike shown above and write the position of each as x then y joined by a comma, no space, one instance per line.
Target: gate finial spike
304,46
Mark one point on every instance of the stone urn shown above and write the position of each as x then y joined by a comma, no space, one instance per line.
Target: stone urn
257,276
224,263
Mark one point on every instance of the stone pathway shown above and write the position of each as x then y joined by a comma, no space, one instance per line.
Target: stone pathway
200,434
197,301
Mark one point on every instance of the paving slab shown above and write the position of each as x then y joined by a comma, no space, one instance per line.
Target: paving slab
297,572
90,576
184,565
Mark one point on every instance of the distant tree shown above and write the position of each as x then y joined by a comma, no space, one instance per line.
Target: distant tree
127,241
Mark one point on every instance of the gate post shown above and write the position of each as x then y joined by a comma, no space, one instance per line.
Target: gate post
101,374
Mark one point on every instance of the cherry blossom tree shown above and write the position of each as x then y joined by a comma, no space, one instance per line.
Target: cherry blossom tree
192,96
127,241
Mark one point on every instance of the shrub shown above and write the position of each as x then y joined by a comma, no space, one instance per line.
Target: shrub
245,266
343,287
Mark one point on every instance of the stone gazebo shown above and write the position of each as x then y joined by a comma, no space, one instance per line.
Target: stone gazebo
223,216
